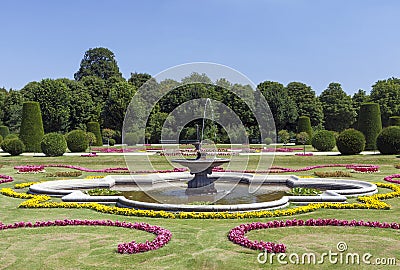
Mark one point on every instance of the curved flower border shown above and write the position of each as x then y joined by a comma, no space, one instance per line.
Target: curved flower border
365,202
390,178
163,236
237,234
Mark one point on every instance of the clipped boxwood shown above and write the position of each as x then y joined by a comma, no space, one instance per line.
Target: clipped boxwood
350,142
4,131
388,140
394,121
14,146
31,131
111,142
77,141
94,127
370,123
304,125
53,144
323,140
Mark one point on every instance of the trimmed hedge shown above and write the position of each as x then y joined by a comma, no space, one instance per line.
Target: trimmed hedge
77,141
394,121
350,142
14,147
323,140
31,132
370,123
4,131
388,141
53,145
94,127
304,125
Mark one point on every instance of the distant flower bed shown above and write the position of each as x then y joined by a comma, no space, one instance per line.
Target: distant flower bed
363,168
114,150
5,179
390,178
93,154
282,149
304,154
163,236
237,234
30,169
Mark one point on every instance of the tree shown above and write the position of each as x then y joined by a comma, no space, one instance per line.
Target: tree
108,134
31,132
304,125
387,94
339,113
81,107
54,98
282,107
306,101
138,79
369,123
99,62
303,138
13,110
284,136
94,127
115,107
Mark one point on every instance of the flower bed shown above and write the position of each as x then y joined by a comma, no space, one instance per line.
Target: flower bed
114,150
30,169
363,168
390,178
163,236
237,234
5,179
366,202
93,154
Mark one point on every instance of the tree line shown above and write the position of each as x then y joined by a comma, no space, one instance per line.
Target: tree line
99,93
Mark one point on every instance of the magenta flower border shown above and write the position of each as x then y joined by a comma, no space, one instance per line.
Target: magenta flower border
5,179
389,178
163,236
237,234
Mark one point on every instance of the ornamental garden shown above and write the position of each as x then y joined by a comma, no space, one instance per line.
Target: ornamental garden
44,231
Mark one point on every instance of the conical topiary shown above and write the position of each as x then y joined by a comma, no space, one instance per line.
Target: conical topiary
370,123
31,131
94,127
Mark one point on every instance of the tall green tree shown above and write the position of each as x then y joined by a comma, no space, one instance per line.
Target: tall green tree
13,110
339,113
54,98
115,107
282,107
307,103
387,94
138,79
99,62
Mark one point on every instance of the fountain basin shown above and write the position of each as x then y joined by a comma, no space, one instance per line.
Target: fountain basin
337,190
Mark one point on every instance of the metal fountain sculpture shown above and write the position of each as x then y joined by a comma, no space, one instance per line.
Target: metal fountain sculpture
201,166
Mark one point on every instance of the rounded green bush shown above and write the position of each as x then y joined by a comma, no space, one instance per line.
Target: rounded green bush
304,125
350,142
111,142
370,123
394,121
14,147
4,131
267,141
388,140
131,138
94,127
12,136
77,141
31,131
323,140
53,144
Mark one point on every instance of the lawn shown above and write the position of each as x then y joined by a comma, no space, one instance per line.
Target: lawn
195,244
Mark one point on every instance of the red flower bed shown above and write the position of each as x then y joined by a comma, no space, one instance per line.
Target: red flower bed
237,234
390,178
30,169
163,236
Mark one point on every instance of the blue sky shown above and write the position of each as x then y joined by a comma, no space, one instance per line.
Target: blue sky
353,42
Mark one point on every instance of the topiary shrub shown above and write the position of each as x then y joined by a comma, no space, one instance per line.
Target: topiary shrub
388,140
370,123
323,140
94,127
11,136
111,142
350,142
31,131
77,141
4,131
267,141
14,146
304,125
53,144
394,121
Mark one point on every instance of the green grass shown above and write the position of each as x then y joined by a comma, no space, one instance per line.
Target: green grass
196,244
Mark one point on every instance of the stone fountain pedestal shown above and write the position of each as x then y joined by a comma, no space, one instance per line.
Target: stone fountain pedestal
201,168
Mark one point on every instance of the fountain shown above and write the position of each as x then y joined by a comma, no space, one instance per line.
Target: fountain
201,167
